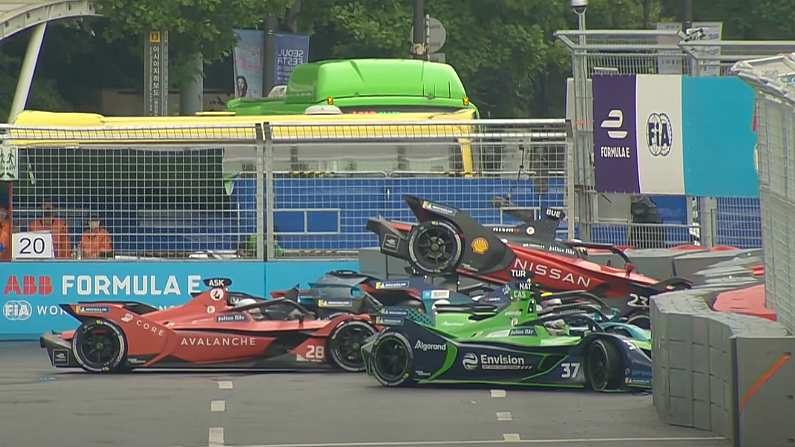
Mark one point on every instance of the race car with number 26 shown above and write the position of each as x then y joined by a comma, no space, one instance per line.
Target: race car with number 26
216,329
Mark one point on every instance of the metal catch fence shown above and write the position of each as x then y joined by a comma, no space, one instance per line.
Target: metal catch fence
273,190
773,79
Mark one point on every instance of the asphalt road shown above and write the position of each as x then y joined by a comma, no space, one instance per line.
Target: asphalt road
41,406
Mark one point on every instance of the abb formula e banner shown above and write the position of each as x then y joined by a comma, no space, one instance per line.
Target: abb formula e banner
33,291
672,134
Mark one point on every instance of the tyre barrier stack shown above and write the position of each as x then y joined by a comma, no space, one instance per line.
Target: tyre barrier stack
728,373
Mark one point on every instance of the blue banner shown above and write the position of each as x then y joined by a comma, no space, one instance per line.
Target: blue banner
289,50
32,291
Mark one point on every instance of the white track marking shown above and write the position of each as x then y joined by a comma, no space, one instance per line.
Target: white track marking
511,437
217,406
216,436
585,441
225,385
497,393
504,416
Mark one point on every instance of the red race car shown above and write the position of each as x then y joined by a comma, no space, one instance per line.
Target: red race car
447,240
216,329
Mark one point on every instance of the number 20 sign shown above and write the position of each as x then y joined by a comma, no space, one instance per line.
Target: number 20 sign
32,245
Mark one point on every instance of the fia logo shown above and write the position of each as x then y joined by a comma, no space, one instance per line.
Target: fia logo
615,120
17,310
659,134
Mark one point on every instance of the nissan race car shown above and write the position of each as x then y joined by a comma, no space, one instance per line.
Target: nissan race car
216,329
447,240
512,345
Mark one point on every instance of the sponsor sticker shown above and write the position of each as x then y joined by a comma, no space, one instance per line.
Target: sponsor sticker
128,317
472,361
218,341
391,284
334,303
441,209
60,357
229,318
388,321
442,294
390,243
93,309
425,347
479,245
217,294
522,331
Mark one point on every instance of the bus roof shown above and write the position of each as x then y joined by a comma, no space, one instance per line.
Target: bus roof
365,83
46,128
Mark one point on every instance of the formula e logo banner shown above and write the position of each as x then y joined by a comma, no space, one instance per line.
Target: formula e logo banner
614,129
638,134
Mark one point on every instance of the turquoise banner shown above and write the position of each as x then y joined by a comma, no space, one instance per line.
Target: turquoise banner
718,137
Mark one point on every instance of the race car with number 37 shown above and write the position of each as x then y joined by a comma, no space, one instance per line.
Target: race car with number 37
517,344
216,329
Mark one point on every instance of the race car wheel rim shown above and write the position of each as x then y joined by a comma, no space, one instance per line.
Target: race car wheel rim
391,360
346,345
435,247
98,346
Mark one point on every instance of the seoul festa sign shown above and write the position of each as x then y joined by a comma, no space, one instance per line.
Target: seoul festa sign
672,134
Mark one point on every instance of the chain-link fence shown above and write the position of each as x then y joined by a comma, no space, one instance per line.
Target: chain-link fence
729,221
270,190
774,79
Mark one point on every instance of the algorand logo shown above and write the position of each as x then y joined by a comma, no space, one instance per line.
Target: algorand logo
425,347
615,120
17,310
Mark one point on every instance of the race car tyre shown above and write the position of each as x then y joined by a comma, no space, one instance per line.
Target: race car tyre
639,319
392,360
435,247
100,346
346,343
603,366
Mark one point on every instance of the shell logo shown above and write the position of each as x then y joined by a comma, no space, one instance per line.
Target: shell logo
479,245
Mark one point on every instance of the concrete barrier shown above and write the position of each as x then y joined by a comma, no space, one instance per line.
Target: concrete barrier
727,373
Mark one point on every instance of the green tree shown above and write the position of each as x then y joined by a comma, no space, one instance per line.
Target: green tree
204,26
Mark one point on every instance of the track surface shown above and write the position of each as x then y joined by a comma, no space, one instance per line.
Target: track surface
41,406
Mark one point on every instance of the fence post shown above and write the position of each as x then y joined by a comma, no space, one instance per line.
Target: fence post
570,173
260,181
582,203
269,193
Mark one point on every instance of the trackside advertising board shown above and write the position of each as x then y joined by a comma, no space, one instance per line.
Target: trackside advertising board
32,291
674,135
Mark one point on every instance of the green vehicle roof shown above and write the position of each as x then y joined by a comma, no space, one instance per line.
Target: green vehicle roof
364,83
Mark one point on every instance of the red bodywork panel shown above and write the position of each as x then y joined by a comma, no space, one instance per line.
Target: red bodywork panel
198,333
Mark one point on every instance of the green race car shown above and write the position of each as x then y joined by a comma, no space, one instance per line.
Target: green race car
519,343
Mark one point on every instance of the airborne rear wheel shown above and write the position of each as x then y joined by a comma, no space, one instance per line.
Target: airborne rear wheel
603,366
346,343
99,346
435,247
392,360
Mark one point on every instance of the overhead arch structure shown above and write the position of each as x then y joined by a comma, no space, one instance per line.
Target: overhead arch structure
19,15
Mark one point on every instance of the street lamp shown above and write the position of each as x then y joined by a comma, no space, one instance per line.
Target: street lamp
579,7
